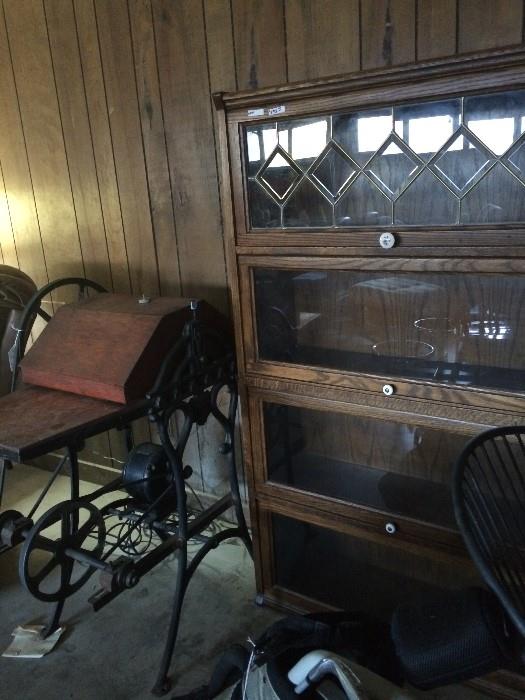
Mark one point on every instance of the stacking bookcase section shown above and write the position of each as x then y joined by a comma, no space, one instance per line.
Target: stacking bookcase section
376,256
428,325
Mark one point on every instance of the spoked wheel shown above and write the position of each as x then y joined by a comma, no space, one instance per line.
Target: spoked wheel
54,560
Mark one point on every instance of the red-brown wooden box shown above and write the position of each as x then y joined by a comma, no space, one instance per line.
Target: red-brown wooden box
110,346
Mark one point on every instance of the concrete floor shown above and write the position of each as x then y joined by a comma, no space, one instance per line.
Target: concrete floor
114,654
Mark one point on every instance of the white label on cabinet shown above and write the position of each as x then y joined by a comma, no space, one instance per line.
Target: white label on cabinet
272,111
256,112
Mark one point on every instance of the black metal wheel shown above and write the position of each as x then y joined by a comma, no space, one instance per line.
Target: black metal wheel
55,558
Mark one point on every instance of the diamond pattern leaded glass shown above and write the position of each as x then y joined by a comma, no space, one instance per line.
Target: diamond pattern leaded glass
518,158
462,161
393,166
334,170
515,158
279,173
439,162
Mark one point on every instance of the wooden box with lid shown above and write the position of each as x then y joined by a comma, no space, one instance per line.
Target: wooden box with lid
111,346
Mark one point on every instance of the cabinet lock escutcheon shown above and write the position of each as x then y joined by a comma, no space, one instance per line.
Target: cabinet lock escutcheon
391,528
388,389
387,240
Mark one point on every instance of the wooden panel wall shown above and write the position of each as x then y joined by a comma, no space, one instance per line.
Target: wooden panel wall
108,162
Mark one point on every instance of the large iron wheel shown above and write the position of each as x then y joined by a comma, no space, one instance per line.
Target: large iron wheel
46,568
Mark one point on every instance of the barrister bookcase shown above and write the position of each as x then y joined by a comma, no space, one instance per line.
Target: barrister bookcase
376,256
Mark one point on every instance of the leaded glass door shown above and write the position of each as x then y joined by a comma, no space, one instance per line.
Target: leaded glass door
436,163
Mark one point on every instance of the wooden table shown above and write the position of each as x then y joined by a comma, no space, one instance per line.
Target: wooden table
35,421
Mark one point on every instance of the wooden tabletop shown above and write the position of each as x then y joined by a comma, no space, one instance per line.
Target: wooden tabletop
35,421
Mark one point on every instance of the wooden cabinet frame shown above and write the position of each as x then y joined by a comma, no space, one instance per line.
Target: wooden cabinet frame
406,388
487,249
462,76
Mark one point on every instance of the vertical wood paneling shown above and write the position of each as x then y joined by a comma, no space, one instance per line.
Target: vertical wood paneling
93,83
154,137
222,77
436,28
16,175
322,38
219,43
387,32
43,134
121,91
260,46
77,136
181,49
95,96
487,24
108,159
8,246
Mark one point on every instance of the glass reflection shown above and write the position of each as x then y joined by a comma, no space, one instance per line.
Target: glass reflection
496,119
334,170
497,198
462,163
363,204
363,133
427,127
280,174
392,168
396,467
304,139
426,198
264,212
307,207
325,565
465,330
440,162
261,141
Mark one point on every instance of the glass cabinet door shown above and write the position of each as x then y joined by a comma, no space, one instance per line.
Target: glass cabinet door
396,467
459,328
355,573
458,161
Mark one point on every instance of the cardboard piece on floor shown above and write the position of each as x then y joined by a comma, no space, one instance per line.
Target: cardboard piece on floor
28,642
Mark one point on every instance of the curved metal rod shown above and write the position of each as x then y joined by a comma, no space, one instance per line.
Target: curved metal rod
229,427
212,543
162,684
166,367
32,308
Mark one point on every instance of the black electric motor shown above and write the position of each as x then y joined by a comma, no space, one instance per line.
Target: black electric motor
146,476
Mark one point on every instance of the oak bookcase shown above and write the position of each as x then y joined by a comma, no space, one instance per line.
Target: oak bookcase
376,257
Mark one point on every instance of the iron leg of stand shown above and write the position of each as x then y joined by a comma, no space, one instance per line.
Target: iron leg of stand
5,464
128,437
66,569
54,621
163,683
237,505
234,479
74,474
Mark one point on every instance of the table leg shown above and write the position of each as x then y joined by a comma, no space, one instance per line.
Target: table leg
163,683
74,473
5,464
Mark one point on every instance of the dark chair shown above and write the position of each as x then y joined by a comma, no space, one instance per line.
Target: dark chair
458,635
489,503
